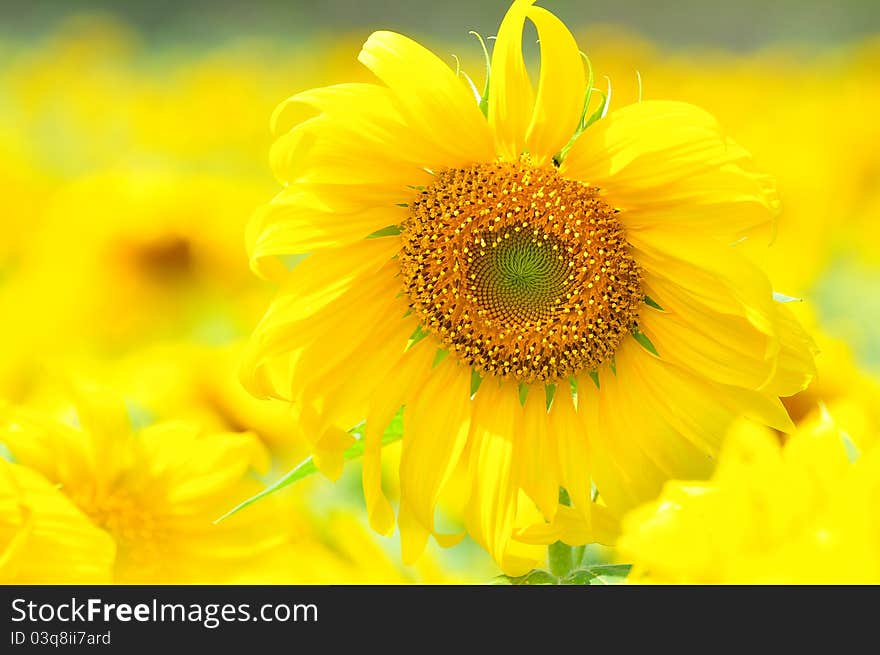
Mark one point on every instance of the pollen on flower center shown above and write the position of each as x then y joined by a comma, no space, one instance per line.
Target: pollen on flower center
520,272
134,528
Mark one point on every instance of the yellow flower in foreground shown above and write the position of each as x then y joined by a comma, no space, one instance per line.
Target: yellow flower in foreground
805,512
156,492
554,304
842,388
44,538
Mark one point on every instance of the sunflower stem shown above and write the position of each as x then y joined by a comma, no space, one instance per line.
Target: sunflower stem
561,556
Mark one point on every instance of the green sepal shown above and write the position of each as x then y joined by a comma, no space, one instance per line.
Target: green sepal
550,392
523,393
387,231
644,341
418,334
439,356
476,381
582,124
484,97
650,302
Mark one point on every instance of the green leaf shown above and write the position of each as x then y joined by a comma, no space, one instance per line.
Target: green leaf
580,577
560,558
307,467
594,376
535,577
599,574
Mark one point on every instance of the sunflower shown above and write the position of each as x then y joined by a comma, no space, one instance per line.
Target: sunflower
143,258
551,291
804,512
151,495
44,538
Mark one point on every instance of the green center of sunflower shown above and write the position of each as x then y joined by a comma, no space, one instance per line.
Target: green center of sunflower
520,277
520,272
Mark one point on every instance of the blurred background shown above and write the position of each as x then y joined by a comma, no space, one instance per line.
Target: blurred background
133,148
737,26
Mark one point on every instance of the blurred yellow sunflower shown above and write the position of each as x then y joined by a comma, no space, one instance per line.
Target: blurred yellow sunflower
551,293
44,538
802,513
154,493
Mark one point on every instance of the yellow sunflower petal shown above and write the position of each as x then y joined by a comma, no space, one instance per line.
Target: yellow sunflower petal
413,534
342,392
729,201
642,441
492,505
107,428
297,222
708,271
511,99
572,447
561,88
309,302
374,114
759,406
684,443
409,372
795,364
538,464
339,345
726,349
18,427
570,526
672,157
436,420
45,538
358,126
649,144
428,93
321,150
719,317
329,451
615,471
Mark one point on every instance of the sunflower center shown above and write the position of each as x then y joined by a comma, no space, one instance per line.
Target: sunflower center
518,277
136,531
520,272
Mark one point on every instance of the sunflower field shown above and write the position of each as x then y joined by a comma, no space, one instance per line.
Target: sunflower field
393,293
